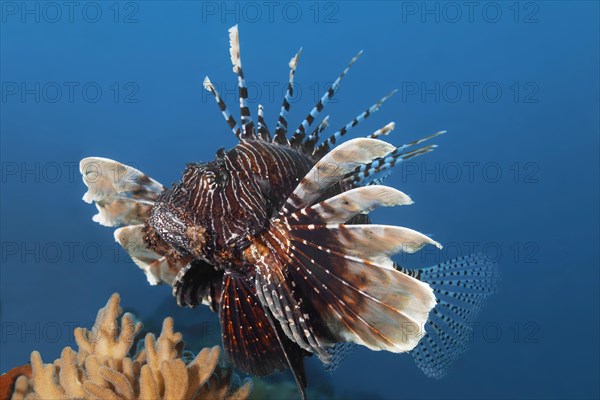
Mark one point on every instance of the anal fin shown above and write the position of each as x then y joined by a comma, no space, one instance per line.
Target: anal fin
198,283
252,342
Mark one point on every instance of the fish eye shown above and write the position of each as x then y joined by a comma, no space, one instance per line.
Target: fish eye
209,179
215,176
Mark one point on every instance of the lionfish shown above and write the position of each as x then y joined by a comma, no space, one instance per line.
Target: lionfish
274,235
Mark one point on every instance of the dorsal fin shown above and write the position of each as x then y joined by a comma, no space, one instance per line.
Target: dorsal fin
236,60
331,140
324,99
281,130
308,145
263,129
360,173
223,107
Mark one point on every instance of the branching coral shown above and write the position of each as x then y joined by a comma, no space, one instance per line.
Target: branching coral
103,368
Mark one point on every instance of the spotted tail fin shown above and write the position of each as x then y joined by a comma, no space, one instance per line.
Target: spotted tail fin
339,352
461,287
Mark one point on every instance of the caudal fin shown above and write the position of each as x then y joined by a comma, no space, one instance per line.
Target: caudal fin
461,287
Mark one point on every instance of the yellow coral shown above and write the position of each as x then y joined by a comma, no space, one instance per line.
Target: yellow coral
102,368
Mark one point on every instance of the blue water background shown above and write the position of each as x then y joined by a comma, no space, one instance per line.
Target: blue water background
539,218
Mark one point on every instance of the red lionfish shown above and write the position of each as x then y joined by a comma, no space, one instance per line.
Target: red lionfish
274,235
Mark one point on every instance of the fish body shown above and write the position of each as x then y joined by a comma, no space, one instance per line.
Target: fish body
217,207
274,236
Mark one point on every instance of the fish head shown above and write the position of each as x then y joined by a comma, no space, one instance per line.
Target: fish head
210,213
182,215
